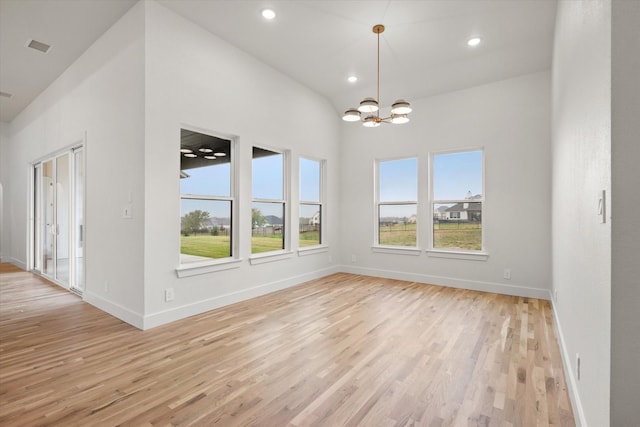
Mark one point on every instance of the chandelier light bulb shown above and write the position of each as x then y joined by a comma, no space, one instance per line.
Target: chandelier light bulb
401,107
351,115
399,119
368,105
371,122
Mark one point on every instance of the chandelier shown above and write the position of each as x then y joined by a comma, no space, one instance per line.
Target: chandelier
371,107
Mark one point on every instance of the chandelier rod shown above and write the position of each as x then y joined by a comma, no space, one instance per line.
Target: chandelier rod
378,30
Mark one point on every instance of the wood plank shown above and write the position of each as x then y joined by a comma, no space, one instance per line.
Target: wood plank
341,350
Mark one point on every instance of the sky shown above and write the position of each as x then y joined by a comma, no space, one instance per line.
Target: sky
454,174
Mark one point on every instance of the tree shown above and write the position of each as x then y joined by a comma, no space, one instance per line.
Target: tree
257,219
194,221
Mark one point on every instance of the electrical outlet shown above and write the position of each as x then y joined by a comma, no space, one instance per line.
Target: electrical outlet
353,258
169,295
507,273
330,259
106,286
578,366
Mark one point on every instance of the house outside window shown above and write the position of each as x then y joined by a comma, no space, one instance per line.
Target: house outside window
207,197
269,201
311,203
457,201
397,202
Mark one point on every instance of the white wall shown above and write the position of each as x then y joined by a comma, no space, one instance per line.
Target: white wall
625,225
510,119
581,149
101,96
4,182
194,78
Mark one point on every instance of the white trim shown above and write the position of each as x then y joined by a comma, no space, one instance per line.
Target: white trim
574,397
265,257
397,250
194,269
473,256
116,310
473,285
311,250
177,313
20,264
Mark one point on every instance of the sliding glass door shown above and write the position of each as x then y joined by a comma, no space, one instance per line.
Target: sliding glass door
58,235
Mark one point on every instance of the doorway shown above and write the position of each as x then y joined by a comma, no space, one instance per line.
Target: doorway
58,212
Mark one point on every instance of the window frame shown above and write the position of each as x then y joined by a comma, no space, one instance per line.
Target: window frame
377,247
481,254
285,252
214,264
320,203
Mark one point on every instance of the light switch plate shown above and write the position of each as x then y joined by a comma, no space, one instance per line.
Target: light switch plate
602,206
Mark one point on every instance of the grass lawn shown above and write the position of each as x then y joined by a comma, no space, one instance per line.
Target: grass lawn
206,245
463,236
309,238
266,243
446,236
398,235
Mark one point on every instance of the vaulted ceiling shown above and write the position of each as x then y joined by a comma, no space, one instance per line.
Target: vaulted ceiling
319,43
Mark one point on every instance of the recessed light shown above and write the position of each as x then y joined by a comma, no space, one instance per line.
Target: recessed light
186,150
205,150
352,79
210,157
220,154
190,155
475,41
268,14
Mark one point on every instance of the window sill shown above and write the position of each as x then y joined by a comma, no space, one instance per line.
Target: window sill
270,257
396,250
310,250
473,256
188,270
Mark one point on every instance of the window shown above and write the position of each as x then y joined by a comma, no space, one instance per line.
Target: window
397,196
268,201
457,201
310,213
206,197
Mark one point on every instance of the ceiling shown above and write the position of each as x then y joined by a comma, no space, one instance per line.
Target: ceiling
319,43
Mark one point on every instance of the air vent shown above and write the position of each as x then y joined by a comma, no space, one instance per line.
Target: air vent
6,95
42,47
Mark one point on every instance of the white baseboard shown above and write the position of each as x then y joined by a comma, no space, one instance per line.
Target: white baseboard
116,310
574,397
474,285
177,313
20,264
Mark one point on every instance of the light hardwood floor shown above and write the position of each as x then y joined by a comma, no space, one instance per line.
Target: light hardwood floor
344,350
